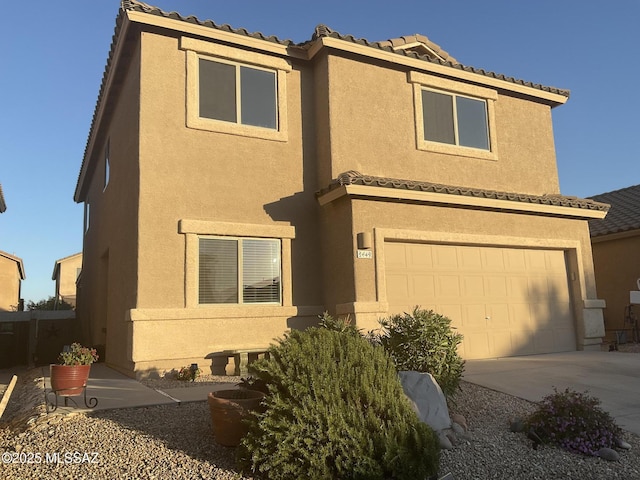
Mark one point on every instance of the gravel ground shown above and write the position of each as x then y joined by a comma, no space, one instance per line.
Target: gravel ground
175,441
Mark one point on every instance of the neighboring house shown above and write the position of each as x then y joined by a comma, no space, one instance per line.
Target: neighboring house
237,185
65,273
11,277
615,242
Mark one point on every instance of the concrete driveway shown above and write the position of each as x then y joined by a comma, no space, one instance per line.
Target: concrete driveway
613,377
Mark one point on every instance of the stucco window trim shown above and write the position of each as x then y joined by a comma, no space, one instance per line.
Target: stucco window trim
197,49
194,229
423,81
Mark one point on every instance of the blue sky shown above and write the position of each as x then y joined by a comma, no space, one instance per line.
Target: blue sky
52,57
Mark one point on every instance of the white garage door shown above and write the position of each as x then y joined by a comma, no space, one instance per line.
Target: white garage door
505,301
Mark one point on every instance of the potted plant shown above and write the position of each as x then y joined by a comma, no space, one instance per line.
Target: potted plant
69,376
229,409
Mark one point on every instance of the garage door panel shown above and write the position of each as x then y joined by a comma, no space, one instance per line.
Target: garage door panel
423,287
476,345
557,288
473,286
499,316
396,255
398,287
502,343
518,287
419,256
447,286
444,257
505,301
474,317
496,286
493,259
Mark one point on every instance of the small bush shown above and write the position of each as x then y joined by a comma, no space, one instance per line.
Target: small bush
340,324
573,421
424,341
335,410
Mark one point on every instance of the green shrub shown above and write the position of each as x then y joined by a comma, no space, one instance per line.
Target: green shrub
573,421
335,410
424,341
340,324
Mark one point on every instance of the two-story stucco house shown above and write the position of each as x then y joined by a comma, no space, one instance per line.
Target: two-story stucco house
615,242
65,273
237,185
11,277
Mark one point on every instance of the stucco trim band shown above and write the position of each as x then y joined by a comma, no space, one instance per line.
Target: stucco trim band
459,200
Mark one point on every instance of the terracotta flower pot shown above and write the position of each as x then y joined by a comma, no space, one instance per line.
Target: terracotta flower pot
69,380
228,410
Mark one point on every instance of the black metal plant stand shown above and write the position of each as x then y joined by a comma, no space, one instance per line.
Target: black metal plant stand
52,405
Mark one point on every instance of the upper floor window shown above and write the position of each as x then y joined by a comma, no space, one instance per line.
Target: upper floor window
235,91
453,117
238,94
87,210
106,166
455,120
239,270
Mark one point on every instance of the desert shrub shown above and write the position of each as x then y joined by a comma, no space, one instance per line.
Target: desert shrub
335,410
573,421
424,341
339,324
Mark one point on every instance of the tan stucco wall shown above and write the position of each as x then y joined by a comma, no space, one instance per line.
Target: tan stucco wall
192,174
9,284
375,106
67,273
617,269
109,278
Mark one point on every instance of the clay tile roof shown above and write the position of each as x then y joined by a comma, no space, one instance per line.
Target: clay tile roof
431,53
3,206
419,44
624,214
356,178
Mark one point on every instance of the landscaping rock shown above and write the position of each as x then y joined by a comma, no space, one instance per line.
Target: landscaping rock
608,454
427,399
460,420
622,444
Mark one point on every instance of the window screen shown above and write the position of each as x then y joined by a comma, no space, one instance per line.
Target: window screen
218,91
218,271
455,120
437,110
227,263
237,94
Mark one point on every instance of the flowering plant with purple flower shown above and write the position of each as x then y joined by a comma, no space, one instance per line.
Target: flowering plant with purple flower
574,421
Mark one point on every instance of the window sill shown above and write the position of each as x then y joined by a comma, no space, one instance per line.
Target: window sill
457,150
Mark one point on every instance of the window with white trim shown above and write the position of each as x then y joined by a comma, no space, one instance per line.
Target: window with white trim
237,93
455,119
239,271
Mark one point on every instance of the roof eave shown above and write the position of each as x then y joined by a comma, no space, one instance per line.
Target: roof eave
105,88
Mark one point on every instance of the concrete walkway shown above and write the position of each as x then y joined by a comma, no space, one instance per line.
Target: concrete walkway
114,390
612,377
